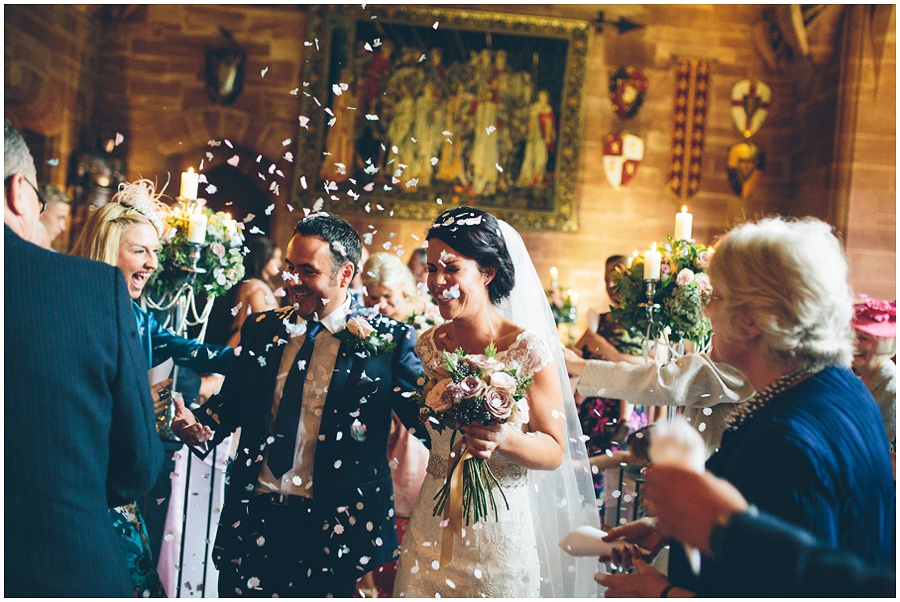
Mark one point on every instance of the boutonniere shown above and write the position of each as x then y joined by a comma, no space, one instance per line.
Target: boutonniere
364,338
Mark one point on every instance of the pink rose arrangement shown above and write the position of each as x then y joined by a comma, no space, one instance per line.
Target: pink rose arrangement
680,294
480,388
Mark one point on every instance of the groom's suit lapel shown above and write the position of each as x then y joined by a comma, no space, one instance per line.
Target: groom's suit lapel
347,363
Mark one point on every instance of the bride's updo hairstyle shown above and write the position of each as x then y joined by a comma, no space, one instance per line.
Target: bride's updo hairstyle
476,234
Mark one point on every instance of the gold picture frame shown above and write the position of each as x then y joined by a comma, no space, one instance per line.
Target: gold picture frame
408,110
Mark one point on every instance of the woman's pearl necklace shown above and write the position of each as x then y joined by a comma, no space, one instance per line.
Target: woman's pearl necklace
744,411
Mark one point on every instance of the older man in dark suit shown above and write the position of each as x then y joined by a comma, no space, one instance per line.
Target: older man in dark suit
80,434
309,508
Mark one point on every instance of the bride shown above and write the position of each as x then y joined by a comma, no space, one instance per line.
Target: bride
486,287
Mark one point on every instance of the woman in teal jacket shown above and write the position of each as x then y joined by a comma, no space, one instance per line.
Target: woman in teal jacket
125,233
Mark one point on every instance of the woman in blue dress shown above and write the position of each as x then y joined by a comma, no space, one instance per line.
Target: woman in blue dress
125,233
805,447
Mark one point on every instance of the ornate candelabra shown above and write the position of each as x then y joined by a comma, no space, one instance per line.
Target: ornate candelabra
180,307
649,306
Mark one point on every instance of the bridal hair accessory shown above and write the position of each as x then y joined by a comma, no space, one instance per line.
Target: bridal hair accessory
143,198
461,220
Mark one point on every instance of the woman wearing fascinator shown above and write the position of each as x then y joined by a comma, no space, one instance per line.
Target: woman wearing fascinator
875,325
802,447
535,486
125,233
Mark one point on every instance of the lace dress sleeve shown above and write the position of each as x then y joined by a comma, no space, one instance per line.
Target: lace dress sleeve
531,352
427,352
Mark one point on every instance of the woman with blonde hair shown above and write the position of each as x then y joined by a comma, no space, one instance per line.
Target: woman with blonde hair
802,448
125,233
391,289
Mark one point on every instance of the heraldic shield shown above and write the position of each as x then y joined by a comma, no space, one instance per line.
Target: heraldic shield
627,89
750,101
622,153
745,163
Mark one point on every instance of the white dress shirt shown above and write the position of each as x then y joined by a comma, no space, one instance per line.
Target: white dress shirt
299,479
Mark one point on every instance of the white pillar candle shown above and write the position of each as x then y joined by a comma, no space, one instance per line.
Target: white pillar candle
632,258
683,223
197,227
652,261
190,181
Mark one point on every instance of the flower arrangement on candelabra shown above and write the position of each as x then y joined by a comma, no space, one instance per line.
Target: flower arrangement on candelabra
201,253
665,303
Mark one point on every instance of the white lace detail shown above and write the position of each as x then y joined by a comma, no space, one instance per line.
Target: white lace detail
495,558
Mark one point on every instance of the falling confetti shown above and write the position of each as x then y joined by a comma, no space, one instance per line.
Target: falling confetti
263,72
233,161
119,138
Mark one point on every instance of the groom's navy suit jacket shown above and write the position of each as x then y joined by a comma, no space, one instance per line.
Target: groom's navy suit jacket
79,434
351,476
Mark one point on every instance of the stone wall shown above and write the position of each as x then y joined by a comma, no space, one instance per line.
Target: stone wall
142,75
867,163
50,80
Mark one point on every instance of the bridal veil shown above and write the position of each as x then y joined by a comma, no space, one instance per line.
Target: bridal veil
563,499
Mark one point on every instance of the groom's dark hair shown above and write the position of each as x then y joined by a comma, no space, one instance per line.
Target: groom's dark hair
476,234
343,239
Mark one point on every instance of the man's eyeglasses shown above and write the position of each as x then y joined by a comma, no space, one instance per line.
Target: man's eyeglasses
40,197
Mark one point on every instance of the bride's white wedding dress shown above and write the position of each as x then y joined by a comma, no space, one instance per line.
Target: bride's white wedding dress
497,559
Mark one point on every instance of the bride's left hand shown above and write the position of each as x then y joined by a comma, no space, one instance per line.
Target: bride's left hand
482,440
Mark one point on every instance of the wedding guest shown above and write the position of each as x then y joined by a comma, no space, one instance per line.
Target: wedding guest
79,433
490,296
55,218
256,292
356,286
760,555
607,419
125,233
801,449
417,264
309,509
390,289
875,325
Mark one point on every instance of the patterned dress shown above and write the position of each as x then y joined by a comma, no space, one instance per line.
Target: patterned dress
496,558
129,526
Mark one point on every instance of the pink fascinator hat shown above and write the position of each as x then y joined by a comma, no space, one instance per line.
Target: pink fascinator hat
876,317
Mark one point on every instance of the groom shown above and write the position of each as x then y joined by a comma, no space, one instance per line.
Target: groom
309,508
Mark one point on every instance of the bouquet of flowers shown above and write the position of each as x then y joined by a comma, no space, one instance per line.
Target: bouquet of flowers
223,258
680,294
482,389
